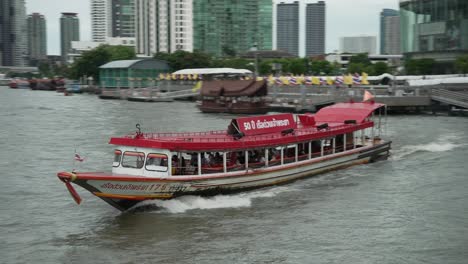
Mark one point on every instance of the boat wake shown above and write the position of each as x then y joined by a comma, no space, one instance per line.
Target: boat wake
191,202
445,143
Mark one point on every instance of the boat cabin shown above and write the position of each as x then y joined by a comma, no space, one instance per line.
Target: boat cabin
251,143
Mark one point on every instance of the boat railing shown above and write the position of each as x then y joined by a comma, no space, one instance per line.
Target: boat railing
287,159
222,135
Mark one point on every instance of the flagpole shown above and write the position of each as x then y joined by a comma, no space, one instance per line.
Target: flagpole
74,159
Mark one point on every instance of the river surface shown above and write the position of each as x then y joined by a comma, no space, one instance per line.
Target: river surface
412,208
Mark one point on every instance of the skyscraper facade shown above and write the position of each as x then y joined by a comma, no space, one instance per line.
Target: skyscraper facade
122,18
436,29
226,27
163,26
287,27
390,31
69,31
299,27
315,29
37,35
13,40
359,44
100,20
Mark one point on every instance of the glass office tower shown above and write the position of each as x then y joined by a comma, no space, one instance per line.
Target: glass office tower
436,29
226,27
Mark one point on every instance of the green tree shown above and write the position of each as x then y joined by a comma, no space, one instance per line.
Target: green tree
297,66
186,60
228,51
321,67
362,58
44,69
90,61
264,67
357,68
380,68
419,66
360,63
461,64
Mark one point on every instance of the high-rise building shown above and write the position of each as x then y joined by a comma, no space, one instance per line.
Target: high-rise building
37,35
13,40
122,18
299,27
287,27
163,26
69,31
226,27
436,29
390,31
100,20
315,29
359,44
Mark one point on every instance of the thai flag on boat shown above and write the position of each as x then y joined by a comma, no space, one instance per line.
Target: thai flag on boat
308,80
356,79
78,157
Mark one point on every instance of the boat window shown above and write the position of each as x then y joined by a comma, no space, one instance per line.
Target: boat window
156,162
133,159
117,157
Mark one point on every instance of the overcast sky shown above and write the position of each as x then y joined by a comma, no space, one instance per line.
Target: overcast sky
344,18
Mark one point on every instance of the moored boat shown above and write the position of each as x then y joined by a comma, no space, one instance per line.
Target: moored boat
253,152
234,96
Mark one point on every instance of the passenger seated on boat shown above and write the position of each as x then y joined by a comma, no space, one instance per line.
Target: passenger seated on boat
194,160
175,161
211,159
218,158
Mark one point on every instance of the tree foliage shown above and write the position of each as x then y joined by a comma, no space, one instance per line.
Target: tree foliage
419,66
90,61
461,64
185,60
380,68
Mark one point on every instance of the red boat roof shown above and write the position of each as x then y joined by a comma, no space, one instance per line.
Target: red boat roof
340,112
236,139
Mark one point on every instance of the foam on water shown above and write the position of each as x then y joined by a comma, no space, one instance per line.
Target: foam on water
442,144
191,202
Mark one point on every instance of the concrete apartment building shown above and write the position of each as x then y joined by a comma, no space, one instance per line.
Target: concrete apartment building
359,44
37,35
100,20
163,26
13,37
69,31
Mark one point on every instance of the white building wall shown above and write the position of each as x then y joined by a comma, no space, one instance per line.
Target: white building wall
163,26
359,44
181,22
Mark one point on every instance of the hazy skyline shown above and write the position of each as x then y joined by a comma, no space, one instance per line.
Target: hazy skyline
343,18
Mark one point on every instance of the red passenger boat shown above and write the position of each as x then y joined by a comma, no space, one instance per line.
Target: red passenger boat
253,152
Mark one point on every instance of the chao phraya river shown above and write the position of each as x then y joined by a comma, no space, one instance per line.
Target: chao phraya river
412,208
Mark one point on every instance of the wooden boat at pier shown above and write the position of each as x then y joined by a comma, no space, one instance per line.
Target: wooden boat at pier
253,152
234,96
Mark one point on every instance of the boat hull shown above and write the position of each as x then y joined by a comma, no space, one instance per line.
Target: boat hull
124,192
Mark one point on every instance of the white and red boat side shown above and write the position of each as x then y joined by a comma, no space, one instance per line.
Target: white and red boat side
253,152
